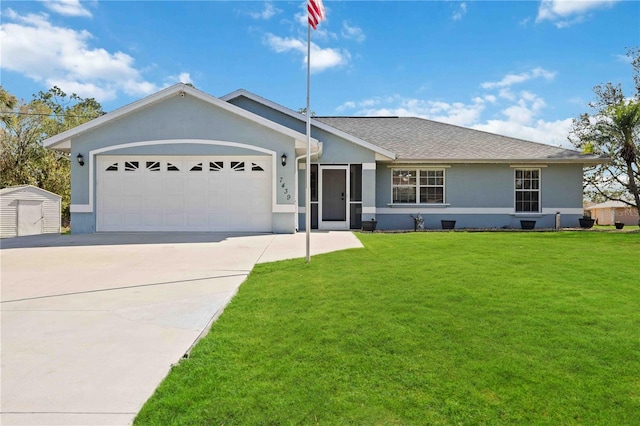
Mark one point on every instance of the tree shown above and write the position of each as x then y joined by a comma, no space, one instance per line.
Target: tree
613,130
23,127
303,111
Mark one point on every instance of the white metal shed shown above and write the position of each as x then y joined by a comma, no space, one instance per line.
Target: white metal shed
28,210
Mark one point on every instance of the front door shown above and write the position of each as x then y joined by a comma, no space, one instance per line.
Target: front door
334,198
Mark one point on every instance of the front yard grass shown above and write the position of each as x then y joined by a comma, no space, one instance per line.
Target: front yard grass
424,328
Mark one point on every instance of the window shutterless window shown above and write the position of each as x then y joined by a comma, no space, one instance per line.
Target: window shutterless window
527,190
418,186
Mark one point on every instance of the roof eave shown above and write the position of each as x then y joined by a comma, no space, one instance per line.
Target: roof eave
586,161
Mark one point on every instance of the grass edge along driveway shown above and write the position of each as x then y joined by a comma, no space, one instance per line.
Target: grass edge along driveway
424,328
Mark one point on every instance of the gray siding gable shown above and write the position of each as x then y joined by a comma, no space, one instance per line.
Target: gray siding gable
297,122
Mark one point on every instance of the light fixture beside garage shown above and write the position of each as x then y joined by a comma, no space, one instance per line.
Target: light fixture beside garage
80,159
283,159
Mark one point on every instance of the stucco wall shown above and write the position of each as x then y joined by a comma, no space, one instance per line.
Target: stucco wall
335,151
177,118
482,196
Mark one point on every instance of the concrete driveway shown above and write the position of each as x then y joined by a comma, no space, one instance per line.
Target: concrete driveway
92,323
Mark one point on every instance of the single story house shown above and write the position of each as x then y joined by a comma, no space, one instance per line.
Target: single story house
28,210
183,160
610,212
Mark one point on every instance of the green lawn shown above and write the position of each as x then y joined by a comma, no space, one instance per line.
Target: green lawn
425,328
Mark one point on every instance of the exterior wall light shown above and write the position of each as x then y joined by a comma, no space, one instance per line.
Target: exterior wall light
80,159
283,159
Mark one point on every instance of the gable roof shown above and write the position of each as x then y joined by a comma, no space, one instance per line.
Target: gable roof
380,150
9,189
62,141
609,205
417,139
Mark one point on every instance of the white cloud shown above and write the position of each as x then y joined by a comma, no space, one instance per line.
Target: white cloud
346,105
626,59
62,56
352,33
321,59
511,79
549,132
564,13
514,114
525,109
183,77
86,90
66,7
506,93
369,102
457,113
460,12
267,13
521,122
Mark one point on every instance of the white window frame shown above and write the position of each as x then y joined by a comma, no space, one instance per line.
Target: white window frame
417,185
537,190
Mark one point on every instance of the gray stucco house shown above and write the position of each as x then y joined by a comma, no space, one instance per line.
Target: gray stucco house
183,160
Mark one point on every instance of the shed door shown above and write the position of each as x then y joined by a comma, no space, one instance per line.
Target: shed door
30,217
176,193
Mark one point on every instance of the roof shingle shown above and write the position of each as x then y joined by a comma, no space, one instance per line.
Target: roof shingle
414,139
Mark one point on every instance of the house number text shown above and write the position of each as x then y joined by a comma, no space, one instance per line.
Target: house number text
285,190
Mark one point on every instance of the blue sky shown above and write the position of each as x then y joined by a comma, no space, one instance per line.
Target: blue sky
519,68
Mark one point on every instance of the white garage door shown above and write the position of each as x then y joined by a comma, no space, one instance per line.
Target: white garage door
162,193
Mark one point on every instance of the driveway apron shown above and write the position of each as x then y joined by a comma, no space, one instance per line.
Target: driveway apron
91,324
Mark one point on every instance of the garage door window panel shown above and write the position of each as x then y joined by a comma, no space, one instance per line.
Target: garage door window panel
131,166
153,166
216,166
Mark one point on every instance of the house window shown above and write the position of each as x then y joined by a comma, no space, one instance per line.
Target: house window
422,186
527,184
237,166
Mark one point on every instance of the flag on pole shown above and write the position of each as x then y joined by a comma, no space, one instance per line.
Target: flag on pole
316,15
316,12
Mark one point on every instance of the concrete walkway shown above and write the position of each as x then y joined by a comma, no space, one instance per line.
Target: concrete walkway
92,323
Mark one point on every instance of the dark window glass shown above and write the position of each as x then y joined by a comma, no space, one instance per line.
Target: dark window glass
356,182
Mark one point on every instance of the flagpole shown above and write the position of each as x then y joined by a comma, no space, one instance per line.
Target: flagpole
307,197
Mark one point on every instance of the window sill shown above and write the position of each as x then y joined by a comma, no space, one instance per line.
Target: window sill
432,205
525,214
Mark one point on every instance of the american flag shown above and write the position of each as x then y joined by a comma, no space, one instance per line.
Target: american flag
316,12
